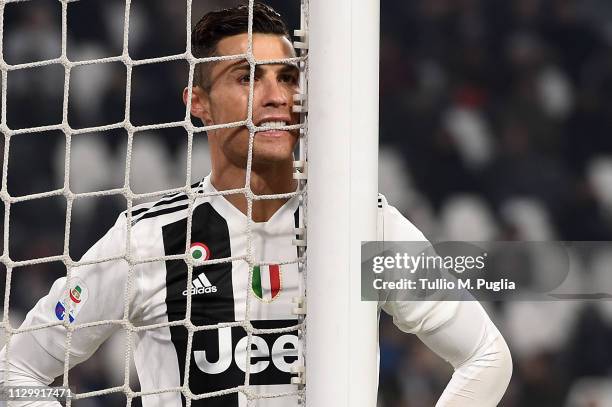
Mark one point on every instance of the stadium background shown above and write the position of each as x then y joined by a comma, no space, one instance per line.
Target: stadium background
496,123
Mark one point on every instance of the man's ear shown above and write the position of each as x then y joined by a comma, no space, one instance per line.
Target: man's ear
200,104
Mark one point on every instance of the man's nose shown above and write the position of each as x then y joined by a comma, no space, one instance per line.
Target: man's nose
274,94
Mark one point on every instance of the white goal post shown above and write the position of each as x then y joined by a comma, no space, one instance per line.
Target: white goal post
341,330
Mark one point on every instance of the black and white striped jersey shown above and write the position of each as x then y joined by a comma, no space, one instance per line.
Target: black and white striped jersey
159,289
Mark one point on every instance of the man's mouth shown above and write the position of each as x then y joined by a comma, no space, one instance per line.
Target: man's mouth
273,124
274,130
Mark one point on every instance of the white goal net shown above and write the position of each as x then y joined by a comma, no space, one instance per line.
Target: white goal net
246,390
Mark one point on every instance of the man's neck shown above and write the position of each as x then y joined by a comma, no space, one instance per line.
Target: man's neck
273,179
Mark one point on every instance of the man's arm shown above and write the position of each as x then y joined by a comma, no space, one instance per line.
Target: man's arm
36,358
29,365
460,332
475,348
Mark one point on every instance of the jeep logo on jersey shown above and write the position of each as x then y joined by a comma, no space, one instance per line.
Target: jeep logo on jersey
201,285
266,282
199,251
271,354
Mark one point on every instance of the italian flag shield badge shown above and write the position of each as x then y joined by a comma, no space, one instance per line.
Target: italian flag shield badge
267,282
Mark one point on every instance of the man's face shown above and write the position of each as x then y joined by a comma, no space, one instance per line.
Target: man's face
227,100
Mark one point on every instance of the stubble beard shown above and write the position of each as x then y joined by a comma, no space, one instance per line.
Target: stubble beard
266,154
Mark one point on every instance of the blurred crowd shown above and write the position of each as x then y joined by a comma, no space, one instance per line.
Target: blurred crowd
496,124
496,116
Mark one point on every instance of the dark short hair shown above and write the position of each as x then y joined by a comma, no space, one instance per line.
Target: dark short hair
216,25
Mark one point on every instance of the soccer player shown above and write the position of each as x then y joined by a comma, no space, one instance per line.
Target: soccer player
460,332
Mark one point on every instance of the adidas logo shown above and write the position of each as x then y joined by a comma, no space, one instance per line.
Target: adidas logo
201,285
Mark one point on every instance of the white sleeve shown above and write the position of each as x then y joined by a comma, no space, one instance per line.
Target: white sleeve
459,331
29,365
410,316
96,293
475,348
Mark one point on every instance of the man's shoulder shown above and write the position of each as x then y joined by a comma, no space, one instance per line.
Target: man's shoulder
144,223
393,226
166,208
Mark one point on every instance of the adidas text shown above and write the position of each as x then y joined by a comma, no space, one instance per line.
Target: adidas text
201,290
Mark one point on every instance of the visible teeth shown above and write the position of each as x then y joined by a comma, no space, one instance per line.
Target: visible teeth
273,124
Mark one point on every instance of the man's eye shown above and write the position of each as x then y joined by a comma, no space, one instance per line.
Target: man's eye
288,78
245,78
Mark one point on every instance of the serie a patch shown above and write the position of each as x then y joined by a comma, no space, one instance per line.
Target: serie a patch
77,297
